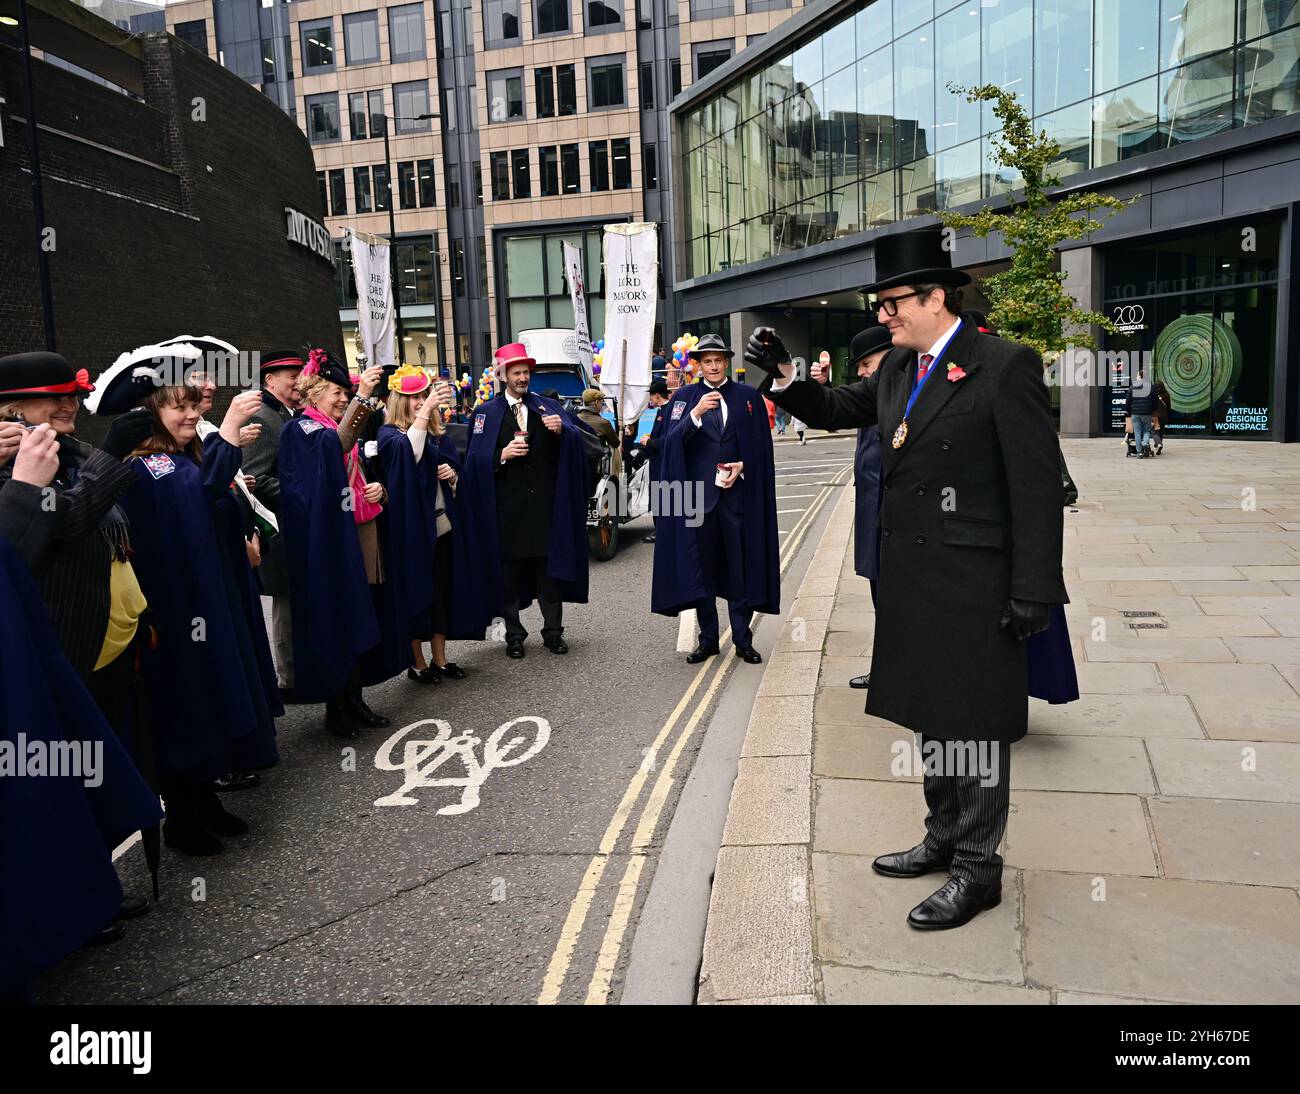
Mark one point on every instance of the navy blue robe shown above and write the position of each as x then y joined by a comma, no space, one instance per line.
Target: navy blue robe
210,712
1051,661
334,618
679,573
566,559
57,882
866,503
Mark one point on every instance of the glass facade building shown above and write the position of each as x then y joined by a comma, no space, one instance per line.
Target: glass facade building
854,126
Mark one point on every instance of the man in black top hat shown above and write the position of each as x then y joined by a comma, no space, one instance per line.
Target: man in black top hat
971,528
279,369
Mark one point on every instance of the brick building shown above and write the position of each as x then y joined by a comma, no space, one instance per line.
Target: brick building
167,182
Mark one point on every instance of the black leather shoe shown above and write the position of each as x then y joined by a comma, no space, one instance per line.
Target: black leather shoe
556,645
356,706
217,820
339,722
190,839
913,863
515,648
701,653
112,933
958,902
424,676
749,655
861,681
451,670
132,906
237,780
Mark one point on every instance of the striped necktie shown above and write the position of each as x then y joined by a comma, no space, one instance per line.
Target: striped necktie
923,369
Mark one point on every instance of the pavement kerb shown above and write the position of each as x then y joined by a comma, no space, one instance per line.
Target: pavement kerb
758,941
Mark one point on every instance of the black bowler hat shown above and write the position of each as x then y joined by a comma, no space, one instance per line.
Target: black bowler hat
658,387
871,340
914,258
274,359
710,343
322,363
39,375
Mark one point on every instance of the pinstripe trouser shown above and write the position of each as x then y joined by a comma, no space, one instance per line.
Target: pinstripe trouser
965,817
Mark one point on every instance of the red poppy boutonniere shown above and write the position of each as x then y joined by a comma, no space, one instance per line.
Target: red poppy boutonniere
750,407
955,373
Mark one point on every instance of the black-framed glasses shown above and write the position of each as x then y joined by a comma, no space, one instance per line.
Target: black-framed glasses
890,305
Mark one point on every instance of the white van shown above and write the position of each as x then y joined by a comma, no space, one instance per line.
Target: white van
555,349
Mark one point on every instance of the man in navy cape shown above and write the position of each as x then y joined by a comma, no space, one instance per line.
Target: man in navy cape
653,442
732,552
56,833
525,482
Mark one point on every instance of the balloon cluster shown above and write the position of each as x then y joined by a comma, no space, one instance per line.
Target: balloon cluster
681,354
485,389
597,356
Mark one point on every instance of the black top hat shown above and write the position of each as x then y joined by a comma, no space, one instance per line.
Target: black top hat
914,258
39,375
868,341
710,343
274,359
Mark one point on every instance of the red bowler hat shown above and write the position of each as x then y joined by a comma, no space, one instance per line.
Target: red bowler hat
516,353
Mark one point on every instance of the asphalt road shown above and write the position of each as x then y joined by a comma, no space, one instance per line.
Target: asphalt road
527,888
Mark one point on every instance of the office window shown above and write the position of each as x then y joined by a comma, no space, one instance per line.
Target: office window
566,84
499,163
476,175
650,166
505,89
548,165
318,46
383,195
675,76
338,193
194,34
773,5
322,118
645,12
361,38
544,85
604,83
569,168
480,252
621,150
406,33
458,268
647,85
519,171
550,16
361,188
604,16
425,176
410,101
710,55
599,156
406,184
453,188
531,284
712,9
358,116
500,22
324,192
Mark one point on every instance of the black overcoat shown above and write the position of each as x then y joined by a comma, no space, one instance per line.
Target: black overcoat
971,516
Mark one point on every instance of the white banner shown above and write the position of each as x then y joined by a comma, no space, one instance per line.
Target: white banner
631,297
376,321
578,294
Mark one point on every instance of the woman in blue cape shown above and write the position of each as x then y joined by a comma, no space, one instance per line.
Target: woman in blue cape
210,708
349,628
428,555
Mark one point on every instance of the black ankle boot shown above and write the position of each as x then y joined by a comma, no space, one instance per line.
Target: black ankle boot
355,705
217,819
339,722
184,826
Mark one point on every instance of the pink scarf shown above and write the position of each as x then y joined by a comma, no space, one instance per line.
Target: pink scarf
362,510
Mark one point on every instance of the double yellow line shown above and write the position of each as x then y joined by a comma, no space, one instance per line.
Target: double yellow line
612,944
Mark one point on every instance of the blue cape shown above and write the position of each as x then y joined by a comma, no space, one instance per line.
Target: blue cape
413,536
1051,661
57,882
566,559
678,572
211,714
334,619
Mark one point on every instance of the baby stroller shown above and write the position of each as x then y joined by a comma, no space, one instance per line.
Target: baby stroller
1155,441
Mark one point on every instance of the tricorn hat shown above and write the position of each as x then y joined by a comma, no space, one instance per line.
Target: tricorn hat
38,375
918,257
868,341
710,343
138,373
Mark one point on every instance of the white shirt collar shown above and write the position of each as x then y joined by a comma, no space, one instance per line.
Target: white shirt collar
511,398
943,339
715,387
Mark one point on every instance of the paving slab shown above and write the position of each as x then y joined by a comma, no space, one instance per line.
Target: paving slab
840,704
1245,843
861,817
1079,833
838,671
1244,718
868,987
1118,678
1154,938
800,636
811,607
1117,716
791,674
867,750
1157,646
769,801
1265,651
1078,999
1099,765
1201,680
1254,771
779,725
854,643
861,920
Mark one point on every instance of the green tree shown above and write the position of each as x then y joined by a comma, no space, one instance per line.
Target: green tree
1029,302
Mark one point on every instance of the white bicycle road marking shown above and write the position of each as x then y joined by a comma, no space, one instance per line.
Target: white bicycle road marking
421,757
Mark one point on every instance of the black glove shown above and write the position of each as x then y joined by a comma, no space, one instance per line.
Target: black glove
765,350
1025,617
127,432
